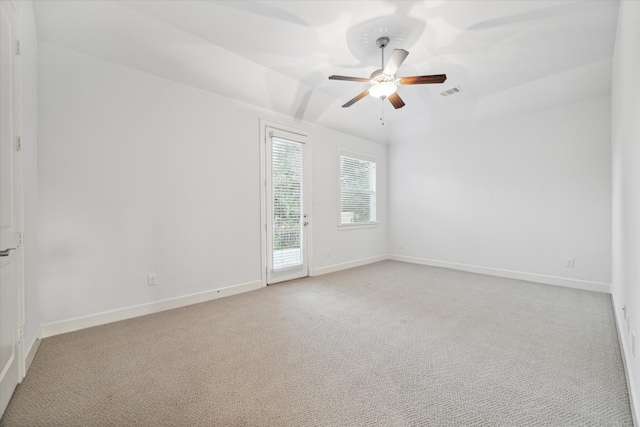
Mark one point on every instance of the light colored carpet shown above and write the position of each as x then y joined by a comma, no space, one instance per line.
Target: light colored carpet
388,344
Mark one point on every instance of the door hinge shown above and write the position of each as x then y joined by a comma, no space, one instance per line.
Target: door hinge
18,52
19,238
21,334
19,143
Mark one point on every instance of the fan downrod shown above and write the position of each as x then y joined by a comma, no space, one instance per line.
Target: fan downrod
382,42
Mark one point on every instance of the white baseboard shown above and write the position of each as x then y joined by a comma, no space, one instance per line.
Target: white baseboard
31,353
77,323
344,266
627,363
538,278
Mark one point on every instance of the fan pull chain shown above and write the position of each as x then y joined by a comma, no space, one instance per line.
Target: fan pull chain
382,100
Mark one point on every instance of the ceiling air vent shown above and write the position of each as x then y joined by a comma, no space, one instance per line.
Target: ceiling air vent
452,91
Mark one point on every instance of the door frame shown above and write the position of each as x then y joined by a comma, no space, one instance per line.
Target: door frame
264,135
17,255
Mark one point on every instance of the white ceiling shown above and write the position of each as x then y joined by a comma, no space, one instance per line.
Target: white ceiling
509,57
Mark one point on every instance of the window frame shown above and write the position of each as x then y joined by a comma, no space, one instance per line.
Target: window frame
366,158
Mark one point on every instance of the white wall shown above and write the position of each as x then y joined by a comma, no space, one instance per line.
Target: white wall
142,175
368,242
29,50
520,194
625,112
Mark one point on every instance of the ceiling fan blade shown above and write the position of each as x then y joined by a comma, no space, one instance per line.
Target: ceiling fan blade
396,101
421,80
350,79
397,58
356,99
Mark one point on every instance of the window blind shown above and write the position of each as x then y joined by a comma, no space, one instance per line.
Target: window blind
287,188
357,191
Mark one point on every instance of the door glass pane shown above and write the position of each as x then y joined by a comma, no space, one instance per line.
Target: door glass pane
287,162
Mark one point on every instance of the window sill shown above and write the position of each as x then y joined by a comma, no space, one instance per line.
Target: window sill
358,226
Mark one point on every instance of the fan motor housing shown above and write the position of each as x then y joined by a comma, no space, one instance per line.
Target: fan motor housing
378,76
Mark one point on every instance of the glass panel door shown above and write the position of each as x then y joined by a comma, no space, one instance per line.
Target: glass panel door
286,217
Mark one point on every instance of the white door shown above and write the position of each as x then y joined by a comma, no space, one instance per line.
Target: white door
10,204
286,195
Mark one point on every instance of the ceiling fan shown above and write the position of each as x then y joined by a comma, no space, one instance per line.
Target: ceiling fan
384,82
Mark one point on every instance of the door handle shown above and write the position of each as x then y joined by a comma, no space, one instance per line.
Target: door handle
6,252
305,223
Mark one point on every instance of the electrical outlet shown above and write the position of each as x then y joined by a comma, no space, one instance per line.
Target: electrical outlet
570,263
152,279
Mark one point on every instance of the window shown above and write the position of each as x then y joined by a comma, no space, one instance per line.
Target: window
357,190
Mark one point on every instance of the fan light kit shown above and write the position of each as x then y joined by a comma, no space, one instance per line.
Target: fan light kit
383,89
384,84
